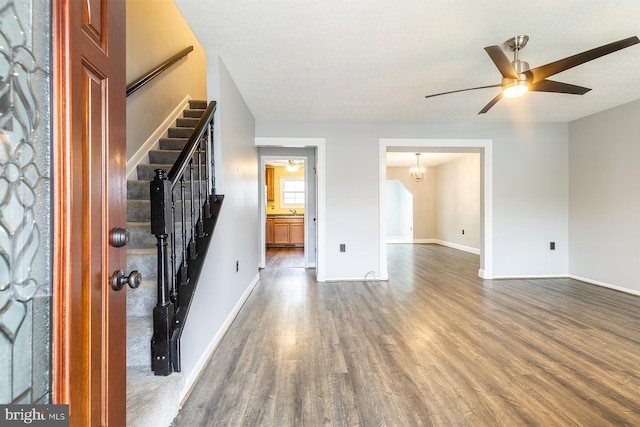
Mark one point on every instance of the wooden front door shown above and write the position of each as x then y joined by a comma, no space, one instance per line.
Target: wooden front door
90,196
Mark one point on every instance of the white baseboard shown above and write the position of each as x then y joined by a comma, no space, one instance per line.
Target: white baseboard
424,241
215,341
140,157
459,247
532,276
605,285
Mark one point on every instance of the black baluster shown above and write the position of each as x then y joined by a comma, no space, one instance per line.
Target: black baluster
200,205
207,173
212,143
192,243
184,266
174,290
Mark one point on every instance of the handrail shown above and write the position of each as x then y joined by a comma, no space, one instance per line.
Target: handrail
150,75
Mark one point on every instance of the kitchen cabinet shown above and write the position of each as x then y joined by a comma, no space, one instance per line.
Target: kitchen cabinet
268,179
270,236
285,231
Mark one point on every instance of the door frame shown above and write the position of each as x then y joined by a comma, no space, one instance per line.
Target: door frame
319,145
263,204
482,146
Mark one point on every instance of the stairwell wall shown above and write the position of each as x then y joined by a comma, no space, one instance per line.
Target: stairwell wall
222,290
148,44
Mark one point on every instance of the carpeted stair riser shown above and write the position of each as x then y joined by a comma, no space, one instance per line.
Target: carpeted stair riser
140,210
179,132
192,113
145,298
148,172
187,122
194,103
139,350
140,236
166,157
172,143
139,190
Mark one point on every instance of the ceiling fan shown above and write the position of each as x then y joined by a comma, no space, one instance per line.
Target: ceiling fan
518,78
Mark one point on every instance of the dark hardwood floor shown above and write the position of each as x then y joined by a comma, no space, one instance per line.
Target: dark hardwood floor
284,257
435,345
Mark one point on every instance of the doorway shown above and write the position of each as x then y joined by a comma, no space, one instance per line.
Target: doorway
285,204
484,148
288,207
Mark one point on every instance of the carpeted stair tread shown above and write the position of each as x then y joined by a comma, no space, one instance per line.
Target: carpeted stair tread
170,157
152,400
139,333
148,172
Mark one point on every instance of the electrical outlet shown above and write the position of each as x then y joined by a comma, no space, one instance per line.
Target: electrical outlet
343,247
552,246
463,231
237,266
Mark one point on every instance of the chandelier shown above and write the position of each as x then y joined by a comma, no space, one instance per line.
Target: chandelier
417,172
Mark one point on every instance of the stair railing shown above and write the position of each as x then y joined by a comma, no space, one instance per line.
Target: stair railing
155,72
184,209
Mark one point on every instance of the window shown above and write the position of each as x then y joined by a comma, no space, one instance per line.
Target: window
292,192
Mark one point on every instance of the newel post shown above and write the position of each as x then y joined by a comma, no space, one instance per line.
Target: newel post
164,311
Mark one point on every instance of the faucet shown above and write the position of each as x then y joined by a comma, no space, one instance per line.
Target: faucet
293,211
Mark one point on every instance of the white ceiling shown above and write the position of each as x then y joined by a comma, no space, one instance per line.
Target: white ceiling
374,60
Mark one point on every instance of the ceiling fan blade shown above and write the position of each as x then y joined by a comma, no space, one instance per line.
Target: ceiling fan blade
502,62
558,87
491,103
540,73
461,90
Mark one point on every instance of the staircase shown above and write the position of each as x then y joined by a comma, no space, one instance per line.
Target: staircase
151,400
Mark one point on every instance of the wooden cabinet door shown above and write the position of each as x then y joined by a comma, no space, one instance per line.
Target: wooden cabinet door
90,187
269,182
281,232
270,233
296,233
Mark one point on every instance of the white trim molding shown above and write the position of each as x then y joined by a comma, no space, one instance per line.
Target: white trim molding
605,285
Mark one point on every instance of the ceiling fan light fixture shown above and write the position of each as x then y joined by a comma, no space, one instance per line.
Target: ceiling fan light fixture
292,166
515,88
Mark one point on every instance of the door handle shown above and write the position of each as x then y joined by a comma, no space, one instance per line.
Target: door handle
119,280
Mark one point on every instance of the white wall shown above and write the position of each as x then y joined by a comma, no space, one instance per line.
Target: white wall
399,213
424,203
530,190
148,44
221,289
457,201
604,203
